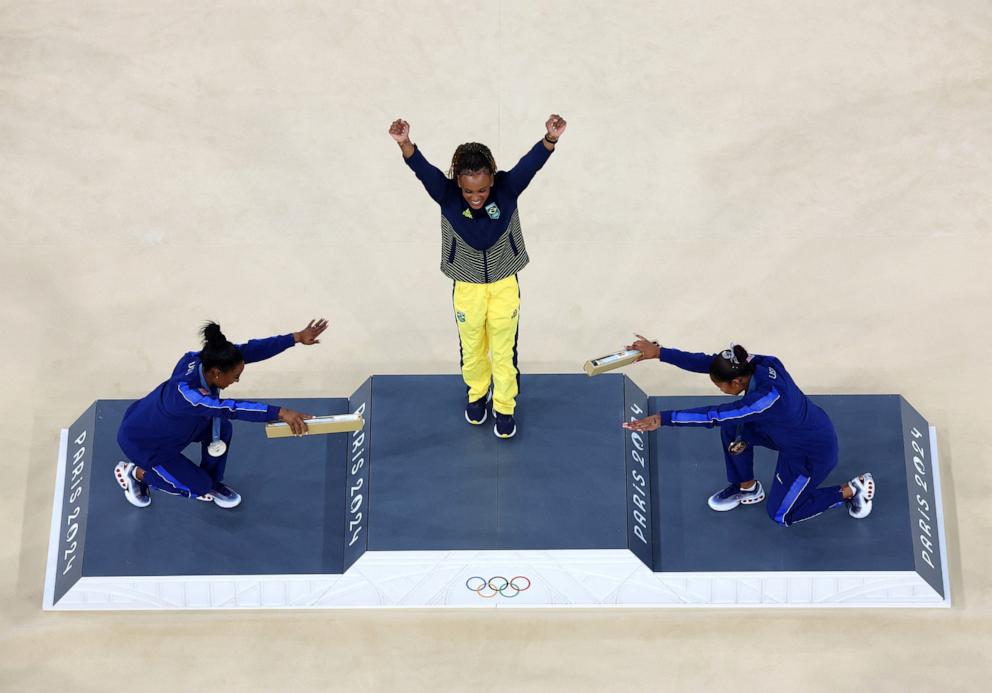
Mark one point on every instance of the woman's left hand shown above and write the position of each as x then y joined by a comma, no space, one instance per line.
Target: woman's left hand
556,126
650,423
309,334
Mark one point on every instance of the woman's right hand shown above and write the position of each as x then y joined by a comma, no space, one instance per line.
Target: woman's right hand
649,349
297,421
648,423
400,130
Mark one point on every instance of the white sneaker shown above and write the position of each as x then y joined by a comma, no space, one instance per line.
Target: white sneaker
135,491
859,505
732,496
225,496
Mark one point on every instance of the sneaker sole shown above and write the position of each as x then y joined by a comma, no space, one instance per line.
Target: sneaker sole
485,415
504,437
749,501
865,512
227,505
869,484
119,474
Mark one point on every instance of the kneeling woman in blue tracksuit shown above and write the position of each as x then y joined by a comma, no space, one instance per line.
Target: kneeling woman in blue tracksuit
773,413
188,408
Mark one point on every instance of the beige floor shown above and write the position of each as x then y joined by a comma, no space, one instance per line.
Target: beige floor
810,179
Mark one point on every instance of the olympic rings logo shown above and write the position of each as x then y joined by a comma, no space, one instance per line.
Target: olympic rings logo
487,589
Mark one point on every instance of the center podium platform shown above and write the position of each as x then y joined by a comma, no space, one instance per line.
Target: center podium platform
422,509
438,483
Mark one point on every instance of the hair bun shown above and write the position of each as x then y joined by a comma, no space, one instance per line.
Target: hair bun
212,336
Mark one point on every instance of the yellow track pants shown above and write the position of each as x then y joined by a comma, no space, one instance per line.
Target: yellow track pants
487,316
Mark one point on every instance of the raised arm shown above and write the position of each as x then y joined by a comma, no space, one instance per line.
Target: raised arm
520,176
255,350
433,179
695,362
687,361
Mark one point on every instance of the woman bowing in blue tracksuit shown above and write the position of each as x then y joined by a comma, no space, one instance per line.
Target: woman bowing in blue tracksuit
188,408
773,413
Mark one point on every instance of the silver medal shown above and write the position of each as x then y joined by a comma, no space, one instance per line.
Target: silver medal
217,448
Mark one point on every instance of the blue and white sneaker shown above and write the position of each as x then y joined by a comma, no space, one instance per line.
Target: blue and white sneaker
135,491
505,426
476,412
859,505
224,496
732,496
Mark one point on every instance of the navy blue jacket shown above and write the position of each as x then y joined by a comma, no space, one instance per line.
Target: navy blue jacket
174,414
773,408
479,228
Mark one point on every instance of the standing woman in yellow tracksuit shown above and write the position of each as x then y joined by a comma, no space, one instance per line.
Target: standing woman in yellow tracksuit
482,249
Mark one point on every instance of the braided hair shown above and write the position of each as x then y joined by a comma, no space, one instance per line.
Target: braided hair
731,363
472,157
217,351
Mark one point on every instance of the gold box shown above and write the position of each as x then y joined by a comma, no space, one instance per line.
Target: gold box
612,361
319,424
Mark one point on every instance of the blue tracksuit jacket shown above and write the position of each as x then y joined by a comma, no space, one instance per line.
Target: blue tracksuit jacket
174,414
773,410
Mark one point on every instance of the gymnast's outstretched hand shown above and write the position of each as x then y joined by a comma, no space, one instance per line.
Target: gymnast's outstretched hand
308,335
649,349
649,423
400,130
555,126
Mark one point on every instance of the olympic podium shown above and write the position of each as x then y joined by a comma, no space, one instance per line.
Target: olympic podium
421,509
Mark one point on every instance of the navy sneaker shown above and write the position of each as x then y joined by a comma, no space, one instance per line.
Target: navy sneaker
476,412
135,491
224,496
732,496
505,426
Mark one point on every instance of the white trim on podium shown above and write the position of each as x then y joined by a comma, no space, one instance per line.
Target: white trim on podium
53,537
587,578
938,499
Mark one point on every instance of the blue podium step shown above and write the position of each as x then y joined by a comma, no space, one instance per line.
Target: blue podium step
293,488
687,466
439,483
